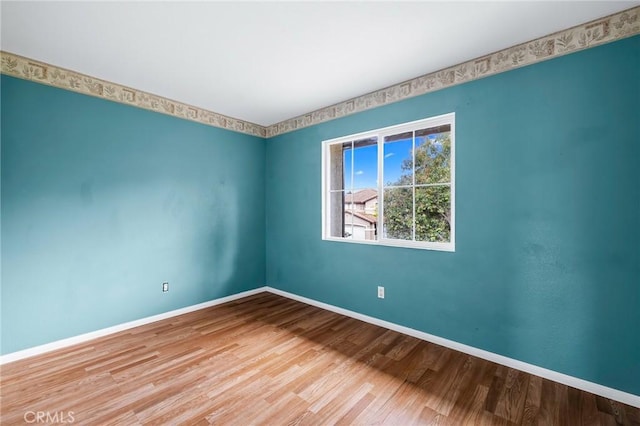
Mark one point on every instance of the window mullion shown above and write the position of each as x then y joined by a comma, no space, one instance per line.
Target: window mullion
380,187
413,186
353,154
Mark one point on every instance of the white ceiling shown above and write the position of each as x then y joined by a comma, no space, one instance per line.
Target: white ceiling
265,62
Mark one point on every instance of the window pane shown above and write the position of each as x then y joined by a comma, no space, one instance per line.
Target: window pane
336,214
365,163
398,213
347,161
360,171
433,213
361,208
398,159
432,157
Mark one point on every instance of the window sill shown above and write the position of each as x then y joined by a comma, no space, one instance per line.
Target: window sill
447,247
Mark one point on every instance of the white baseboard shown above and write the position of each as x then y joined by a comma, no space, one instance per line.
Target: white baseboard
59,344
616,395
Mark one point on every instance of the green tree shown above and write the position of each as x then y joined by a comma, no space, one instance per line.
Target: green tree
432,203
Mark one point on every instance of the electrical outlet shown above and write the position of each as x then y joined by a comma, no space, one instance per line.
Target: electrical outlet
165,287
380,292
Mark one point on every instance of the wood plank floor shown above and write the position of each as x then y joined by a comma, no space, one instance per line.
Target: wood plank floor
270,360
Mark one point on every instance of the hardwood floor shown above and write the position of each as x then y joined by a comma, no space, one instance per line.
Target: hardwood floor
269,360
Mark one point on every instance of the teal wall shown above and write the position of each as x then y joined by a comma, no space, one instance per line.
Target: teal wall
547,261
102,202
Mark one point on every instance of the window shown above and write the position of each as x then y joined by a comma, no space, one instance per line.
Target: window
392,186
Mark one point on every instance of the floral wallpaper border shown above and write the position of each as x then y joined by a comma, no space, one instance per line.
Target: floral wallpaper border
603,30
40,72
594,33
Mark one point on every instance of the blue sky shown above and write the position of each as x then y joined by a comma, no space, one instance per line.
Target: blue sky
366,163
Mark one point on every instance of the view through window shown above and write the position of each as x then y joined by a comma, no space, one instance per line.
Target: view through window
392,186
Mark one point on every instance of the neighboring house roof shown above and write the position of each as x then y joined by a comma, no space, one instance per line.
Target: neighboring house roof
361,196
369,218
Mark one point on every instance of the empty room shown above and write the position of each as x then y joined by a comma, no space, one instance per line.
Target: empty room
320,213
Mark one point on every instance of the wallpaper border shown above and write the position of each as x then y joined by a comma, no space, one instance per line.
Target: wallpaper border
600,31
41,72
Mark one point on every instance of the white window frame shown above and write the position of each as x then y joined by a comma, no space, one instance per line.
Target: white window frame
380,134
